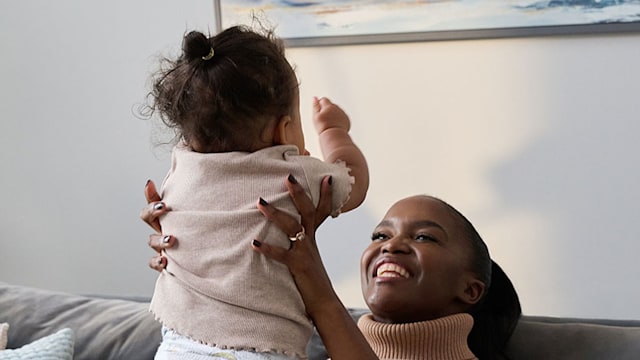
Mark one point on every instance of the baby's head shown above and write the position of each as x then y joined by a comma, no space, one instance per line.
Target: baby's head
229,92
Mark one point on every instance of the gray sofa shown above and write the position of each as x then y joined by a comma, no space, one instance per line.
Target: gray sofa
110,328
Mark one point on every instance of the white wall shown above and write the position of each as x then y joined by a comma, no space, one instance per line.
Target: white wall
533,138
74,158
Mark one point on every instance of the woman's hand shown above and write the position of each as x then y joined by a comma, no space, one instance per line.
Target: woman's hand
302,258
151,215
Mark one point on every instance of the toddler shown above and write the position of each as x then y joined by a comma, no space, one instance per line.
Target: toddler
234,103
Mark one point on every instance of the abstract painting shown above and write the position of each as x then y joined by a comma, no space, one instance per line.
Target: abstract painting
317,22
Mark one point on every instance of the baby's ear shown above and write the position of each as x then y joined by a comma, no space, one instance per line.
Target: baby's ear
280,131
473,291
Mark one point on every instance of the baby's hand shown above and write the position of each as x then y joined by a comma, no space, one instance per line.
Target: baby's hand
327,115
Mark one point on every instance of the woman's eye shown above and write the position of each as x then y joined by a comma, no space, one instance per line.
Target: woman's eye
378,236
425,237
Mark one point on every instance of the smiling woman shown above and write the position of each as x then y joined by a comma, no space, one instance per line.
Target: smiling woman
415,270
433,290
427,266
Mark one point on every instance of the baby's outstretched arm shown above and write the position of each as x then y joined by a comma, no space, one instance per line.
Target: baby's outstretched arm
332,125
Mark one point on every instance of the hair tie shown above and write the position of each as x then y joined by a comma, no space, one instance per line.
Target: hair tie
209,55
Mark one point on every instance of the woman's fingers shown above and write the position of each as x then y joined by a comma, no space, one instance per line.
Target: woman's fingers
311,216
160,242
323,210
300,198
273,252
155,207
305,206
151,215
158,263
287,223
151,193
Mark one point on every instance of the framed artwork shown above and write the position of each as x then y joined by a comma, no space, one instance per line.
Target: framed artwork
341,22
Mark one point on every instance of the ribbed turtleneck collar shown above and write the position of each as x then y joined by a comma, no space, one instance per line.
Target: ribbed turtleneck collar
440,339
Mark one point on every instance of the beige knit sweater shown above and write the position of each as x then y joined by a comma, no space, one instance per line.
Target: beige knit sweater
216,289
440,339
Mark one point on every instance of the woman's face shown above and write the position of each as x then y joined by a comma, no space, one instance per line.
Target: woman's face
416,267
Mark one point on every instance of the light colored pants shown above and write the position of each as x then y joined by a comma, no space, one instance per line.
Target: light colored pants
177,347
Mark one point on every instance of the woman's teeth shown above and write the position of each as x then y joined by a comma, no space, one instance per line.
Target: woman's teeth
391,270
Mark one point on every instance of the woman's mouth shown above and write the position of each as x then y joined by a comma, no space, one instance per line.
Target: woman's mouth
391,270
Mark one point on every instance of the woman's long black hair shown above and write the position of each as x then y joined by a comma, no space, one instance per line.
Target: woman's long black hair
495,317
497,313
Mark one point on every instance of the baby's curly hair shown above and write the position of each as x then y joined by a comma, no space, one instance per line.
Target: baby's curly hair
223,91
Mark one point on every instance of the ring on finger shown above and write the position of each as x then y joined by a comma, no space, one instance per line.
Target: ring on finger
299,236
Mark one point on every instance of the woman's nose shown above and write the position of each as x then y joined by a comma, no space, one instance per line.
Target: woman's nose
396,244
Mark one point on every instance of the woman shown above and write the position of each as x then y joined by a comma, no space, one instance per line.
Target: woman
426,276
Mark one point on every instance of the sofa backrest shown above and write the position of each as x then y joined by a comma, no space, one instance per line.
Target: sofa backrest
540,337
108,328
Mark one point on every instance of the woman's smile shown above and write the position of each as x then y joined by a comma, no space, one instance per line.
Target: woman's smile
388,268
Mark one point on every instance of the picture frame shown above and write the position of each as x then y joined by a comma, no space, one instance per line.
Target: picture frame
338,22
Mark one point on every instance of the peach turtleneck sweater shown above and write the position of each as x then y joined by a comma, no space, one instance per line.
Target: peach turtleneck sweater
440,339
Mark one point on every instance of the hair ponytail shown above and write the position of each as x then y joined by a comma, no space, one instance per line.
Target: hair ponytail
495,317
195,46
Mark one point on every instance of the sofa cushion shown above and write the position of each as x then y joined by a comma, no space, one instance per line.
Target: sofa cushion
104,328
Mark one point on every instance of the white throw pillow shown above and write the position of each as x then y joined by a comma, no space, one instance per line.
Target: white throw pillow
57,346
4,335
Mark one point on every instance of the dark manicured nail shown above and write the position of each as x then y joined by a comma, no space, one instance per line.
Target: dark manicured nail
166,239
159,261
256,243
158,206
292,179
330,181
263,202
147,183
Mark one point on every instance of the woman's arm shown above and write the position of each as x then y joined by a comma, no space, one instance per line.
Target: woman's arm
340,334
